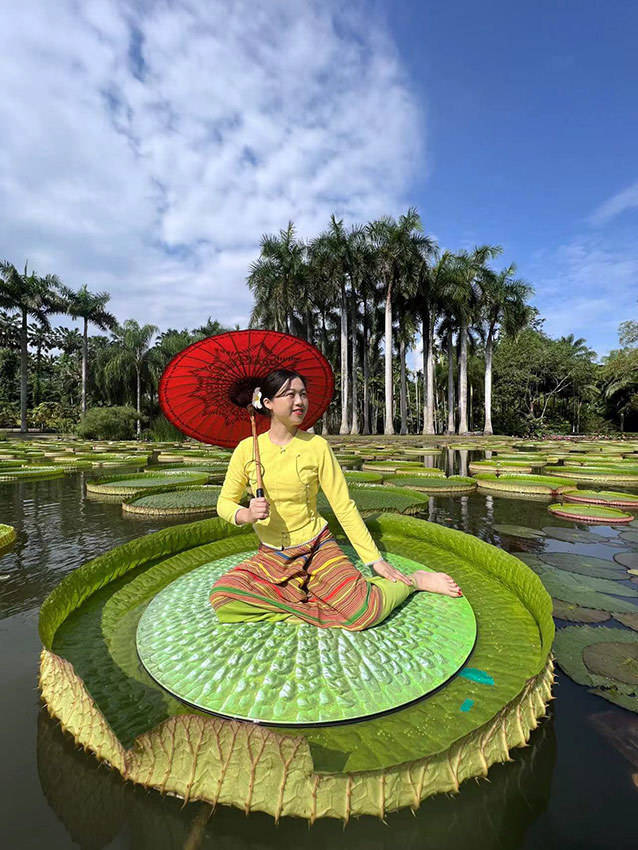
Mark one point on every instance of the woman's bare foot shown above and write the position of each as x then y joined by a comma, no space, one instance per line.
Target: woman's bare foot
436,583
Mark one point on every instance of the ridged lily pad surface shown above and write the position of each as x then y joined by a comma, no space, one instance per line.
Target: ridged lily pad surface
297,674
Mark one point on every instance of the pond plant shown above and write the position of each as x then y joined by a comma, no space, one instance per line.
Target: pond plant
92,683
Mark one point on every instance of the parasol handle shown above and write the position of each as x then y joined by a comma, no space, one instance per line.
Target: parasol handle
260,486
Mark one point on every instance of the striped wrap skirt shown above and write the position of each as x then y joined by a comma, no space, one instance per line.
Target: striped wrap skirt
314,582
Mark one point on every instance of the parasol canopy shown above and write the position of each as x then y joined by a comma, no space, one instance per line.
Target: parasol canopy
205,390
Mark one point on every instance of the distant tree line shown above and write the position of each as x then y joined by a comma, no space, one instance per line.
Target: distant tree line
363,295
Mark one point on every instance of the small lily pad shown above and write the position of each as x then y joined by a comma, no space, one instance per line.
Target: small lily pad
614,659
518,531
629,620
569,535
571,642
627,559
630,537
623,700
577,614
589,592
585,565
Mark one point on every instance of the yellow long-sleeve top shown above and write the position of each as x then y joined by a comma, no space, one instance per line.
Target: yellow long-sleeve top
291,477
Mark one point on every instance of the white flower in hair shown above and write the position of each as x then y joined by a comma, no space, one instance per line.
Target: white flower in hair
257,397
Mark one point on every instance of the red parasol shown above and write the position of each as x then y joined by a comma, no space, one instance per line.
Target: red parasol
206,389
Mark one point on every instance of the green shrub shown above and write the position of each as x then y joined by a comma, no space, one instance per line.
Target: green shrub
108,423
52,416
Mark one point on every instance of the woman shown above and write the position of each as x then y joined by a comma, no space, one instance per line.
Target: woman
299,572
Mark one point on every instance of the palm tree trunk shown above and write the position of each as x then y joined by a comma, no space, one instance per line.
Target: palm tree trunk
403,402
487,428
85,354
389,427
24,365
139,402
463,379
428,373
343,429
353,327
450,384
324,417
366,372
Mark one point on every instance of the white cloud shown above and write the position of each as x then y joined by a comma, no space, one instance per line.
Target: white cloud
147,147
619,203
587,287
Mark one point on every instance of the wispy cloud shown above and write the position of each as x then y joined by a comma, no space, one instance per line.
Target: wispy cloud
146,147
587,287
619,203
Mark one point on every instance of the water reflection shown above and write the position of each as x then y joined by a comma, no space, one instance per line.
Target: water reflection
98,809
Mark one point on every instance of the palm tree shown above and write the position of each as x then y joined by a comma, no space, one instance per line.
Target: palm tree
426,304
130,353
399,245
503,304
33,296
331,252
408,312
89,306
276,275
462,296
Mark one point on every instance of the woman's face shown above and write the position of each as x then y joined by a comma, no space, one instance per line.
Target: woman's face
290,403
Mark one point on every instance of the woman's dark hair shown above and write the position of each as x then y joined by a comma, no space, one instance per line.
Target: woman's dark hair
272,383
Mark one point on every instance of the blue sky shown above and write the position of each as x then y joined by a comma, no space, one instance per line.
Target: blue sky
530,114
148,145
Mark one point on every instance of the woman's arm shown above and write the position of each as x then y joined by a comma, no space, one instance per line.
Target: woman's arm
335,486
233,489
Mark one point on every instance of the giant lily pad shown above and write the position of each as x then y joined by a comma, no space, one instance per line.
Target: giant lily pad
187,500
122,485
376,497
286,674
539,484
590,513
602,497
90,622
455,484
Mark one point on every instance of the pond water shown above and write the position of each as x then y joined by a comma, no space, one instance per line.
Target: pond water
574,785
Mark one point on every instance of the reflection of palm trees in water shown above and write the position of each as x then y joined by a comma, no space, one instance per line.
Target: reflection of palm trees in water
96,806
